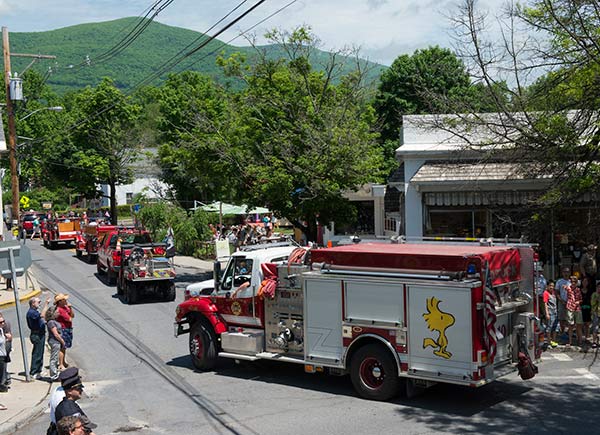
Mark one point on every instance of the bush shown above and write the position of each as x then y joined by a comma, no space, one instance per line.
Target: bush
187,229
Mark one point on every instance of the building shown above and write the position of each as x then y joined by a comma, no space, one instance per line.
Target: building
448,189
147,181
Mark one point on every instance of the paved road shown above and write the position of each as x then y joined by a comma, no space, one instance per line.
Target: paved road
139,379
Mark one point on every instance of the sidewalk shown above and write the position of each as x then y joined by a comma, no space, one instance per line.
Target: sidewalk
192,262
24,400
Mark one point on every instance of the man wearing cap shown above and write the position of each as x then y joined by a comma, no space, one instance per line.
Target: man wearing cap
73,388
64,316
37,325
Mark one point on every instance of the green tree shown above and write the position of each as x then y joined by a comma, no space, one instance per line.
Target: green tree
431,80
106,138
550,123
187,228
193,112
298,137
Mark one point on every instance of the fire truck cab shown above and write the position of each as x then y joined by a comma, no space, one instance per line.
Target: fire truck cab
396,317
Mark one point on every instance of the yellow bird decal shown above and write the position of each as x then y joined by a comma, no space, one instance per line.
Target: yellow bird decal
438,321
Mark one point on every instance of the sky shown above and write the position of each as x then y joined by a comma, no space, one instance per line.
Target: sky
383,29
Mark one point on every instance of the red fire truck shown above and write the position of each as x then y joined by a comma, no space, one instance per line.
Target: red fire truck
396,317
60,230
87,240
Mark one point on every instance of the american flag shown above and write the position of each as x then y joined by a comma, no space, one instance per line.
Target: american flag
490,315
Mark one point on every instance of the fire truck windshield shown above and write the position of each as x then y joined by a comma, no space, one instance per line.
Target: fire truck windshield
239,271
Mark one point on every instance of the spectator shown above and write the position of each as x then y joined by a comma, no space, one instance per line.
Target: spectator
55,341
58,395
586,305
561,287
36,228
574,317
37,327
68,406
4,375
595,303
588,265
551,313
70,425
3,355
64,316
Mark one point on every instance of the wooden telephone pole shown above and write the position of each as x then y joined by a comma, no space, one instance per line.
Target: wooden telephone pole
12,127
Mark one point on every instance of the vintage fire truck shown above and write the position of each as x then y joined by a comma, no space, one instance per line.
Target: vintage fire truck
142,271
87,240
60,230
397,317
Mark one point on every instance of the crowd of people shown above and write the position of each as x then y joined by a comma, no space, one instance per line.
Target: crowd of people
248,233
54,324
570,307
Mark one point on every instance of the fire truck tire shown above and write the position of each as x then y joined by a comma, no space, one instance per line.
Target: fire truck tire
132,293
45,243
78,253
203,349
170,292
99,269
374,373
53,244
111,276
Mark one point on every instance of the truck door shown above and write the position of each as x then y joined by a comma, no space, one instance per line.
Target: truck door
440,331
235,298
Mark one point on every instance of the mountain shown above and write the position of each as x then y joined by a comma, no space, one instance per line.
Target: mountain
83,54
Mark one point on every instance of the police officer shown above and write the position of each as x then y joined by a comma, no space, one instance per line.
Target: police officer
72,389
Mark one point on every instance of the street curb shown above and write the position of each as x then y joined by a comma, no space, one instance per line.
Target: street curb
21,299
25,416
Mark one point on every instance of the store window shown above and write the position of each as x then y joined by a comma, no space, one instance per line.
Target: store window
456,223
128,197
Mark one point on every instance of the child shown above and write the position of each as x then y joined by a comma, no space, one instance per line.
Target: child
550,310
595,315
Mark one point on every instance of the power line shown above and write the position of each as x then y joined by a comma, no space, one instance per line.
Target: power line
163,68
249,29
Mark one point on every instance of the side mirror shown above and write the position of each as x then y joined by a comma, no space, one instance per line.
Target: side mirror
217,274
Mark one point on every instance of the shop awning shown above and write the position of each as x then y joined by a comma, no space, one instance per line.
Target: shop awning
432,177
226,208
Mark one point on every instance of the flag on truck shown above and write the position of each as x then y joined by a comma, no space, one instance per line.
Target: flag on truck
489,314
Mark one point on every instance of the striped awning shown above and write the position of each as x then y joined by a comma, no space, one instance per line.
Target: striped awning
480,198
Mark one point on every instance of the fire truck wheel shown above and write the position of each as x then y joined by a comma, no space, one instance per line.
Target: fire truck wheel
45,243
170,292
131,293
111,276
99,269
78,253
202,346
53,244
374,373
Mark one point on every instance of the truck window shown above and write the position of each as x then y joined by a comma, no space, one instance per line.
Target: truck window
113,240
238,271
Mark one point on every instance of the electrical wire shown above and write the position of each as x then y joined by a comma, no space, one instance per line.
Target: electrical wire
139,27
173,61
249,29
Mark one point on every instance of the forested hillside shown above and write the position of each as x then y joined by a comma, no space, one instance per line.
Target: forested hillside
84,56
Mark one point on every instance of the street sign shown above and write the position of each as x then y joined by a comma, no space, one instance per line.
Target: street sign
21,254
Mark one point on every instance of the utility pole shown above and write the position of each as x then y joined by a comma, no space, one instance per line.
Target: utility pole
12,127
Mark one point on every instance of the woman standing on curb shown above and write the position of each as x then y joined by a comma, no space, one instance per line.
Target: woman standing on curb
64,316
2,353
55,341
